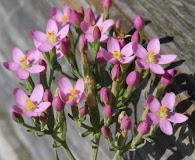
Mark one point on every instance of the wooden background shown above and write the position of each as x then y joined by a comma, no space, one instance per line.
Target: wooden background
173,21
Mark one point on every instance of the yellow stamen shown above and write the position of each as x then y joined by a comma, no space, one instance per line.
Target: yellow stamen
65,18
118,55
51,36
151,58
23,61
73,94
30,106
163,112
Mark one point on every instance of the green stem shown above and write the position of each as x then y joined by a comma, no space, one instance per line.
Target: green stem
67,151
51,77
117,156
95,146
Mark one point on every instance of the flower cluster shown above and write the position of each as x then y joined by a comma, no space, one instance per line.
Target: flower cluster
108,71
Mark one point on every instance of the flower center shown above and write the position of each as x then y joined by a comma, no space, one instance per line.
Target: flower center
151,57
30,106
73,94
65,18
163,112
23,62
118,55
51,36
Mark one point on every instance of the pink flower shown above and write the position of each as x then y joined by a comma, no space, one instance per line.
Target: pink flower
51,38
116,55
24,64
150,58
69,94
102,25
30,106
162,112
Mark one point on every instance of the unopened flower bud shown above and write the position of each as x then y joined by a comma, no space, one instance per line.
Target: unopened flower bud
96,33
47,96
81,11
139,23
65,46
168,77
44,64
121,42
143,128
107,4
43,117
108,111
58,104
76,17
106,132
133,78
83,111
135,37
126,123
118,25
17,117
83,45
90,17
100,59
105,95
116,72
91,100
121,115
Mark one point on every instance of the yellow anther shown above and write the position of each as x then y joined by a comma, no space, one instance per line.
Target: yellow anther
73,94
23,61
152,57
65,18
163,112
118,55
51,36
30,106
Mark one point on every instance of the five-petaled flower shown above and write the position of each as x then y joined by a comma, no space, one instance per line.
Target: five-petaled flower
30,106
150,58
162,112
69,94
24,64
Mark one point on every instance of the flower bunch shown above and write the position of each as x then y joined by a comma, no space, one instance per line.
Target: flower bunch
105,72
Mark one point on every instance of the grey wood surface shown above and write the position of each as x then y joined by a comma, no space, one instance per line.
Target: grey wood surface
171,20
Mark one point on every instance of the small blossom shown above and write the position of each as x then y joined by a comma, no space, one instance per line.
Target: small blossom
118,25
106,132
58,104
143,128
90,17
69,94
30,106
162,112
150,58
105,95
108,111
17,117
24,64
133,78
139,22
126,123
168,77
76,17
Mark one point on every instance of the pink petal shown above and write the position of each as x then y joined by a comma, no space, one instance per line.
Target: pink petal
113,45
17,109
45,47
63,96
20,96
166,127
56,14
65,8
51,26
37,93
169,100
22,74
71,102
42,106
154,45
39,36
33,56
17,54
86,28
115,61
127,50
36,69
177,117
89,37
128,59
156,68
153,104
99,20
106,25
11,66
141,52
103,38
63,32
31,114
64,84
80,98
142,64
152,118
107,55
165,59
80,85
36,43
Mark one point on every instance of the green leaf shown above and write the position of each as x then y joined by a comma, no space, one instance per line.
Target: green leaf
141,144
148,139
86,133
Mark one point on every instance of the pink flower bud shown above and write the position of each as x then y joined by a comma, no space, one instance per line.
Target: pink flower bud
105,95
107,4
17,117
65,46
96,33
139,23
83,45
135,37
43,117
44,64
126,123
90,17
106,132
76,17
100,59
108,111
116,72
81,11
118,24
83,111
47,96
122,42
168,77
143,128
133,78
58,104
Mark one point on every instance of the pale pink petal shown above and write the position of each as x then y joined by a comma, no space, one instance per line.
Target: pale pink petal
141,52
86,28
128,59
45,47
166,127
80,98
103,38
142,64
20,96
33,55
113,45
154,45
152,118
22,74
156,68
56,14
11,66
63,96
169,100
89,37
37,93
127,50
65,8
177,117
42,106
115,61
107,55
80,85
17,54
106,25
64,84
36,43
36,68
71,102
51,26
39,36
63,32
31,114
153,103
17,109
165,59
99,20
